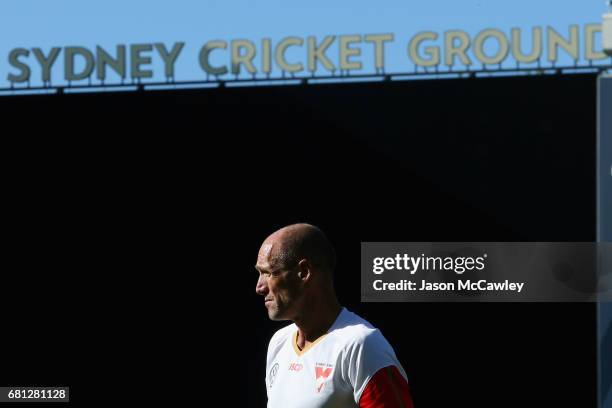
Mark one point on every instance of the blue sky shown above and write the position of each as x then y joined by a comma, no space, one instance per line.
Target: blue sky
44,24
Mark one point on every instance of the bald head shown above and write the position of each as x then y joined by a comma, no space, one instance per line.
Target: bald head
295,266
295,242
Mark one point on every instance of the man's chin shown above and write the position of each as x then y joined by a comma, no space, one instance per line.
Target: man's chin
276,316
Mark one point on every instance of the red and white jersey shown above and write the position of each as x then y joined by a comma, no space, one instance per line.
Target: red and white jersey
335,370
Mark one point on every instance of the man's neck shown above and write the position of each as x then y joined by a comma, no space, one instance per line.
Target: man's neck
316,322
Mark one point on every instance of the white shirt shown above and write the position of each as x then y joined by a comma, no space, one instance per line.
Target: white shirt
331,372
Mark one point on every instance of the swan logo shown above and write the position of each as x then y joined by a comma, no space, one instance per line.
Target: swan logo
322,373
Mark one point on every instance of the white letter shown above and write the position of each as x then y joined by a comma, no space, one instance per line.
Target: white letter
555,40
536,49
137,60
280,54
432,52
589,42
205,52
24,68
346,52
379,47
502,51
318,53
169,57
46,62
377,266
69,53
266,52
450,50
103,59
246,59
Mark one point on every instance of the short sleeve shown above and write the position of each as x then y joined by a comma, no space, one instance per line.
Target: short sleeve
368,355
276,343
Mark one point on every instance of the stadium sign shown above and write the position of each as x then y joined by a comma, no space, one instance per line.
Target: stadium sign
331,53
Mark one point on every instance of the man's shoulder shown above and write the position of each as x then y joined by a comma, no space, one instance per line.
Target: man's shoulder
354,330
365,348
281,335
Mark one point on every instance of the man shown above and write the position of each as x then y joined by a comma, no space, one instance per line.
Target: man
329,356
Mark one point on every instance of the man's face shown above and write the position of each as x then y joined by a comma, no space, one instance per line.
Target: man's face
278,285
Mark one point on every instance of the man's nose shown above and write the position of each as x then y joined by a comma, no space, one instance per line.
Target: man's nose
262,286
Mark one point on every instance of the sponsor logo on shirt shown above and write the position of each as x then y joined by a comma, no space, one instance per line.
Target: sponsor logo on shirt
295,367
322,374
272,374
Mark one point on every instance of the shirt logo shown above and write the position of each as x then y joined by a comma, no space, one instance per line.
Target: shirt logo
272,374
295,367
322,373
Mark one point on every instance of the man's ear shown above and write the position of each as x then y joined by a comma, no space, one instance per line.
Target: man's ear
304,270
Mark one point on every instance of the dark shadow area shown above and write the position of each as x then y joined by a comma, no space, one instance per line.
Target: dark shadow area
133,222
